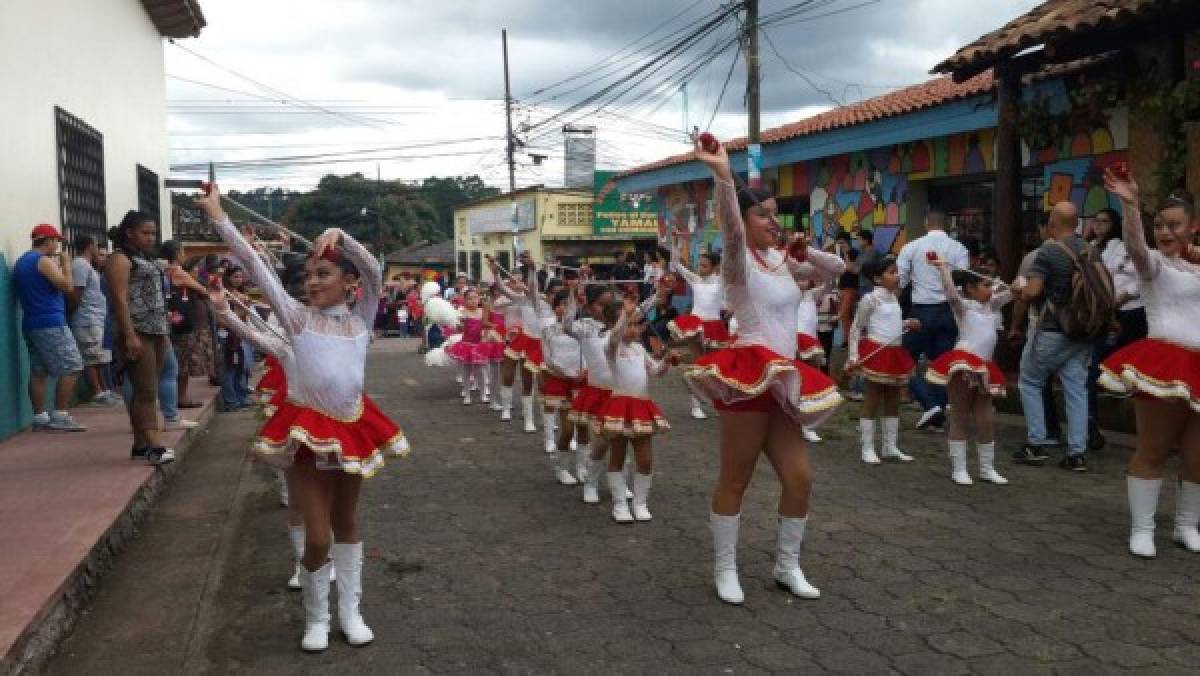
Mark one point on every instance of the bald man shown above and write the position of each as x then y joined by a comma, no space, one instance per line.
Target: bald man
1049,352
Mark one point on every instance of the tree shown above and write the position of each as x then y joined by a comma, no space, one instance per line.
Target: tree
447,193
386,214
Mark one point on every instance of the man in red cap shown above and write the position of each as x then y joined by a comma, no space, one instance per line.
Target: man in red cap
42,279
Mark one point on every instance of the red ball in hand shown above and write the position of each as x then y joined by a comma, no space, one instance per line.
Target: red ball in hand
931,256
709,143
205,187
798,249
1121,170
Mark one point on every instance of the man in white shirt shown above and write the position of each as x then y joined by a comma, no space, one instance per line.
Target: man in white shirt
938,332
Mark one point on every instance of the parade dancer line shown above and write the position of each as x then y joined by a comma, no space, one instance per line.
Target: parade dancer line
703,324
327,433
1163,369
763,396
967,371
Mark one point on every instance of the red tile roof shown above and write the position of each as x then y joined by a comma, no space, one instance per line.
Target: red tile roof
1053,20
900,102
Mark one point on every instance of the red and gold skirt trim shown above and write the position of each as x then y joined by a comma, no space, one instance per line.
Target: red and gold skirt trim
557,392
528,349
712,332
356,446
808,348
891,365
942,369
469,353
273,380
625,416
744,372
589,402
1154,368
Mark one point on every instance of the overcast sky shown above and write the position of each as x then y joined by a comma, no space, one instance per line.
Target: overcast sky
408,84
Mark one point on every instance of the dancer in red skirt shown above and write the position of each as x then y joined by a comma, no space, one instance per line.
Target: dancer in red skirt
879,355
764,395
561,377
1162,370
593,394
808,348
469,352
328,434
493,348
703,324
525,347
967,371
630,417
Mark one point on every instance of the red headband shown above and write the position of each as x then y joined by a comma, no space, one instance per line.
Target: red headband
332,255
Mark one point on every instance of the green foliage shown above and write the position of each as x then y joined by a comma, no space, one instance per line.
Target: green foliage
1173,107
447,193
390,214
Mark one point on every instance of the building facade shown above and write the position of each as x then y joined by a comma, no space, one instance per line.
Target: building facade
84,132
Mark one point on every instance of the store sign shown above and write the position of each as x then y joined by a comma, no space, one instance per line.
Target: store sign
614,215
499,218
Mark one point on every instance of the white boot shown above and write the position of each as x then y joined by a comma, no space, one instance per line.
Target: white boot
547,431
725,539
506,392
641,494
562,462
958,463
591,482
315,586
1187,516
620,509
281,476
1143,502
296,537
697,409
891,431
583,453
987,460
866,429
628,469
810,435
527,413
787,558
348,559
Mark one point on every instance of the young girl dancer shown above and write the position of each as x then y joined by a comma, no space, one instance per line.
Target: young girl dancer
593,394
763,393
967,371
808,348
703,324
469,352
875,350
630,417
524,351
328,434
561,378
493,348
1163,369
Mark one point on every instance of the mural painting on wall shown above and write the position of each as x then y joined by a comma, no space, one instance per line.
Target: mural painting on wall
687,208
1073,167
858,191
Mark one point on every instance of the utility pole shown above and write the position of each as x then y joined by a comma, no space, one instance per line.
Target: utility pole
379,211
754,148
512,165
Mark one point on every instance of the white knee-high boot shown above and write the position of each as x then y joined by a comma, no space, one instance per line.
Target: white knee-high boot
296,537
464,377
866,429
591,482
987,462
958,463
315,587
725,540
891,432
551,444
493,371
348,559
481,378
527,413
787,558
506,402
620,509
583,453
641,495
1143,502
698,408
1187,516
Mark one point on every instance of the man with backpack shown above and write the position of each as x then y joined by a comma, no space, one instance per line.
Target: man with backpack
1070,277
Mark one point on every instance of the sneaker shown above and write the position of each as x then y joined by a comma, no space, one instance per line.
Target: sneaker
1075,463
180,424
930,418
1096,441
64,423
106,399
41,422
159,455
1031,454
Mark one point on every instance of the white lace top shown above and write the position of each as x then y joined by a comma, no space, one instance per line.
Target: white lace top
976,321
708,295
1170,286
879,317
323,352
806,312
630,364
764,298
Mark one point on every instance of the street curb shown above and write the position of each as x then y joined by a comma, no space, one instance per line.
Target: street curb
55,620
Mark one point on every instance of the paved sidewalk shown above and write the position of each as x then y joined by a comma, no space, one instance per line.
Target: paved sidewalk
479,563
67,502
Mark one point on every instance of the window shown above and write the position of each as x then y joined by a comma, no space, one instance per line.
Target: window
81,203
148,200
462,261
476,271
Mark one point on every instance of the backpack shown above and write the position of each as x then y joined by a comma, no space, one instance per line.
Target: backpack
1091,303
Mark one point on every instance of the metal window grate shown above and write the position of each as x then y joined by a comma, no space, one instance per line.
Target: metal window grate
148,193
80,177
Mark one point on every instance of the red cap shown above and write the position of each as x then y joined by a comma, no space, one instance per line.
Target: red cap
45,231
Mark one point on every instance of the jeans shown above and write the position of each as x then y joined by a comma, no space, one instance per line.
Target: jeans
168,385
937,336
235,381
1048,353
1133,327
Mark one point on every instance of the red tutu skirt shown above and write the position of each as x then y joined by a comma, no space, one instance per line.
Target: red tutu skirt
891,365
712,332
468,353
588,404
944,367
272,382
528,349
739,374
625,416
493,350
355,446
556,392
808,348
1154,368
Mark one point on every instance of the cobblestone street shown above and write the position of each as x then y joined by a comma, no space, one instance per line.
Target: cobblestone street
478,562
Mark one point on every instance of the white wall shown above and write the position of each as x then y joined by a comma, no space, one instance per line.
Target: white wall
100,60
